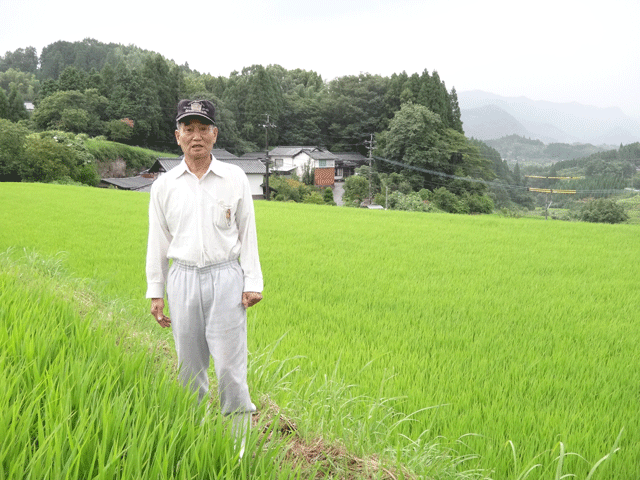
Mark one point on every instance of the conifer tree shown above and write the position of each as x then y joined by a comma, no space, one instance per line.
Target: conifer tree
4,105
17,111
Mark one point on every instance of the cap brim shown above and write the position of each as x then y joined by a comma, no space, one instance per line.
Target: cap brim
199,116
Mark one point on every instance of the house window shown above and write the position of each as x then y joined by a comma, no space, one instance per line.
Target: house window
322,163
279,162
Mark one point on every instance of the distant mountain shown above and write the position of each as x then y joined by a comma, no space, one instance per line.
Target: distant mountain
489,121
546,121
526,151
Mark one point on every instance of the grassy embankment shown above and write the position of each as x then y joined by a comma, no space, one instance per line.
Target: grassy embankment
508,342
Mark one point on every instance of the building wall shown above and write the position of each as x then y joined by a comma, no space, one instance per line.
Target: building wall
256,180
300,161
324,177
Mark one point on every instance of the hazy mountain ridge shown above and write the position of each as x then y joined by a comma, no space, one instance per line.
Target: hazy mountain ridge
546,121
515,148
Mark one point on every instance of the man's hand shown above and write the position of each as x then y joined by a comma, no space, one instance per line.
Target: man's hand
157,310
249,299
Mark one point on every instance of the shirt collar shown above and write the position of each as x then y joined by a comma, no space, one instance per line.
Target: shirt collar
216,167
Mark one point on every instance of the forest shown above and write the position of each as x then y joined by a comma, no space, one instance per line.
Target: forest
111,93
90,87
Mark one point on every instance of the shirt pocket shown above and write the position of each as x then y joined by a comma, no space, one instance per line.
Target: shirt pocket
224,215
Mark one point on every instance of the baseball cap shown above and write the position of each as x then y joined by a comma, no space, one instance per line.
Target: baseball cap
196,108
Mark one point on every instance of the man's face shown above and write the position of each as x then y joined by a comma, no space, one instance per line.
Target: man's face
196,138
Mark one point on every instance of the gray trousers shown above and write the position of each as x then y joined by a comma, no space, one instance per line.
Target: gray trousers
208,319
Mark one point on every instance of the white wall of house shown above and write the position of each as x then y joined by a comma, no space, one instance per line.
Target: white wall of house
324,164
299,161
256,180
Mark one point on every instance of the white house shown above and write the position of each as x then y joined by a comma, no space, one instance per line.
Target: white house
253,168
323,161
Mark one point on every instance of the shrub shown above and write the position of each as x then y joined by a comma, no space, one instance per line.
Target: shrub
288,189
603,210
327,195
448,201
478,203
313,197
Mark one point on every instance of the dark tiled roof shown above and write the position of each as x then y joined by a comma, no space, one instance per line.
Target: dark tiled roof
351,156
255,155
164,164
222,155
129,183
322,155
248,165
293,151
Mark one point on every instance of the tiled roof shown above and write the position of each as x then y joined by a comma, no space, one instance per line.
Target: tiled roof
255,155
248,165
322,155
351,156
290,151
164,164
129,183
222,155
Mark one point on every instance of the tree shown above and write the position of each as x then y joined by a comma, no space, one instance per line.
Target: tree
119,131
353,109
356,189
250,95
456,114
12,152
74,120
48,114
603,210
23,59
26,83
415,137
72,79
4,105
17,110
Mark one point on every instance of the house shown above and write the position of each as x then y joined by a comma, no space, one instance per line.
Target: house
253,168
301,158
139,184
255,171
347,162
283,171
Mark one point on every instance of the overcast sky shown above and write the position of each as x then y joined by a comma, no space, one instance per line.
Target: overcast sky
581,51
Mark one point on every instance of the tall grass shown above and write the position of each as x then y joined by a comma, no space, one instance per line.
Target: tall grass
77,405
506,345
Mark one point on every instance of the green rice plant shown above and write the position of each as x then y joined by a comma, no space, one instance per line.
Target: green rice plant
75,405
481,331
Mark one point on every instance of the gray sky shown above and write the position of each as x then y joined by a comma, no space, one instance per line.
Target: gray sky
557,50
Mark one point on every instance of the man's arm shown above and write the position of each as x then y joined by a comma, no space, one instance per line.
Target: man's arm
157,246
249,259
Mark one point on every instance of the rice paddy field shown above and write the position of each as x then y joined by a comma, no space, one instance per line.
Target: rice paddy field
453,346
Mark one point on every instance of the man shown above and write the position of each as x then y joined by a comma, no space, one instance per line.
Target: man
201,216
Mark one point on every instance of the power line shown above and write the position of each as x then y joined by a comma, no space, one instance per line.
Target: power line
494,183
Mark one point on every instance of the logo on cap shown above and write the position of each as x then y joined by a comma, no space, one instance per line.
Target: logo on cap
195,107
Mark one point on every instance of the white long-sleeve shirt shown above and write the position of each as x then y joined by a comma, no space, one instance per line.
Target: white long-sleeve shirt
201,222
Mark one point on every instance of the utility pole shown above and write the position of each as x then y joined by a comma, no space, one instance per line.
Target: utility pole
266,127
547,191
369,144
